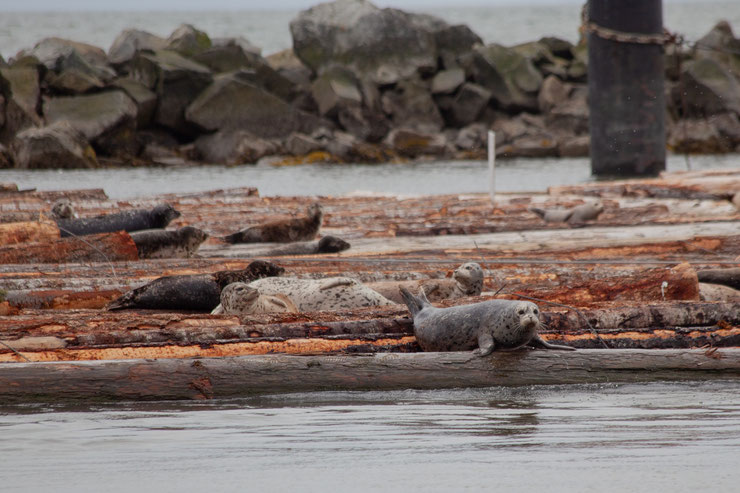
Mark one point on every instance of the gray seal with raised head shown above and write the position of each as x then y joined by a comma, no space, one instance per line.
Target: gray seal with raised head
239,298
467,280
485,326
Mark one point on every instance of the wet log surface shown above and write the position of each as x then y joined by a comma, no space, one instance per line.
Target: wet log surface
209,378
104,247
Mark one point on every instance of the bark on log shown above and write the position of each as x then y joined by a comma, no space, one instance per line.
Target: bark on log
208,378
28,231
106,247
728,277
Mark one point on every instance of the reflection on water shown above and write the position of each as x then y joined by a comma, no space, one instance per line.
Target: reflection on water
514,175
639,437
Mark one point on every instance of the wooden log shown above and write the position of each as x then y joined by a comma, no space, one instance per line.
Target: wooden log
28,231
106,247
8,187
61,299
208,378
729,277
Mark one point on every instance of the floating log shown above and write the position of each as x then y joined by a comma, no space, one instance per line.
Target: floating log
209,378
28,231
106,247
729,277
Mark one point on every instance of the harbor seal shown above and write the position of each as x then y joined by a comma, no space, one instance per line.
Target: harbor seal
239,298
488,325
161,243
327,244
467,280
283,231
131,220
62,209
192,292
331,293
575,215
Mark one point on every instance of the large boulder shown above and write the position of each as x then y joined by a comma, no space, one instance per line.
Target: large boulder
188,41
233,146
233,102
513,80
59,55
142,96
410,143
721,45
20,95
467,105
129,42
176,80
107,119
410,105
707,88
448,81
384,45
334,89
58,145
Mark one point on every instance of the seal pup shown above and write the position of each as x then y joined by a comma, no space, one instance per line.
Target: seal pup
192,292
327,244
131,220
161,243
575,215
488,325
467,280
331,293
283,231
62,209
239,298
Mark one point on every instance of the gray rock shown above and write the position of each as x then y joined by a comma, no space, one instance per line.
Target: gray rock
58,145
230,102
334,89
145,100
558,47
454,40
410,105
570,116
708,88
299,144
408,142
58,55
530,146
72,81
363,123
233,146
246,45
553,92
692,135
6,158
447,81
468,104
720,45
23,90
384,45
188,41
578,146
472,137
131,41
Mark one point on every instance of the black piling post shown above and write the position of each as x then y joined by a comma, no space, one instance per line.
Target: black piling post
625,86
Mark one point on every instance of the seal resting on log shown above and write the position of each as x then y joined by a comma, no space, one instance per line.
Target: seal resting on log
62,209
283,231
327,244
331,293
575,215
239,298
484,326
193,292
161,243
132,220
467,280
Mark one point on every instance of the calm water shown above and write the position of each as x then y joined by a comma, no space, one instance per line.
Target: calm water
508,24
660,437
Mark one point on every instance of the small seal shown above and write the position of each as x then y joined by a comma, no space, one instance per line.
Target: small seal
467,280
62,209
488,325
161,243
284,231
575,215
239,298
131,220
331,293
191,292
327,244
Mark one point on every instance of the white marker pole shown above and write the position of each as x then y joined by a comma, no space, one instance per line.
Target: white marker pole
492,165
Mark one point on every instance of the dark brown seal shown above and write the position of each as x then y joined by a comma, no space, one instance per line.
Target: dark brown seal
327,244
131,220
285,231
198,292
162,243
488,325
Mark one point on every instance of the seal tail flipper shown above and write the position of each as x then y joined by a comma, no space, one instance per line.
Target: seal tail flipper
122,302
538,211
414,303
339,281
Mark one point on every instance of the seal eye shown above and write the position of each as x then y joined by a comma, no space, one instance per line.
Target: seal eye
521,311
535,311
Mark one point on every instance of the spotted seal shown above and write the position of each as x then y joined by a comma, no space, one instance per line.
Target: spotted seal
327,244
239,298
161,243
62,209
575,215
488,325
283,231
192,292
131,220
332,293
467,280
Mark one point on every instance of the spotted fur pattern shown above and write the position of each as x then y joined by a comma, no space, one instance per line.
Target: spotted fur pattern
239,298
467,280
160,243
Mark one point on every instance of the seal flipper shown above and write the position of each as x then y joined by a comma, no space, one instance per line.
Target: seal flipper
340,281
218,310
485,345
537,341
414,303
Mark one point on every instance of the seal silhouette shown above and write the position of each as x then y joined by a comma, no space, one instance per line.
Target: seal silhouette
160,243
327,244
331,293
239,298
131,220
575,215
467,280
485,326
283,231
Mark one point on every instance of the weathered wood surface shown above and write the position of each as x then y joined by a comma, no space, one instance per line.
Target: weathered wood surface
208,378
104,247
28,231
729,277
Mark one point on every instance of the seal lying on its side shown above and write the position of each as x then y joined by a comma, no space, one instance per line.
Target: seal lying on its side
239,298
332,293
131,220
489,325
193,292
327,244
284,231
467,280
574,215
160,243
